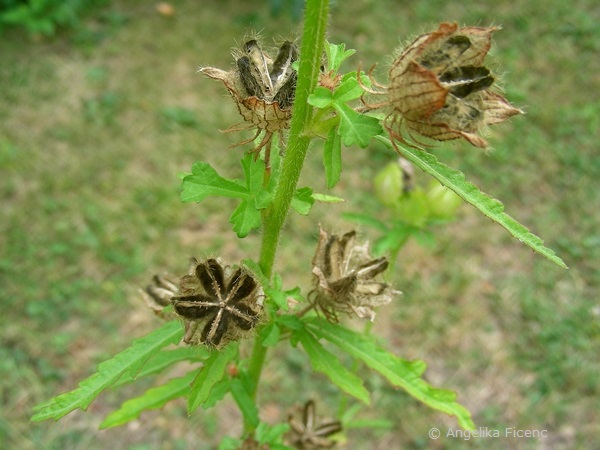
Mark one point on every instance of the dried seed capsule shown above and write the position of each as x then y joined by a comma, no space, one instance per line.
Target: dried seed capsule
345,278
222,302
440,89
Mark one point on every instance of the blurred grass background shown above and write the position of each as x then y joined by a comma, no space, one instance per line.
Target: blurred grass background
96,123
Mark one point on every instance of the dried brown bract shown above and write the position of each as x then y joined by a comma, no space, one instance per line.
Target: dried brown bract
262,88
439,87
346,278
159,294
218,303
306,434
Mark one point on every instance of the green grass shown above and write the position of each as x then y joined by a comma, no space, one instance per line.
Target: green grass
96,124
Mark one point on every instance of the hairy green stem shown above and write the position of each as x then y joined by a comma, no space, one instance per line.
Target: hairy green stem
313,40
310,61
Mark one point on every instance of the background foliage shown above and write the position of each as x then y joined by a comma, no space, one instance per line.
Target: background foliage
96,122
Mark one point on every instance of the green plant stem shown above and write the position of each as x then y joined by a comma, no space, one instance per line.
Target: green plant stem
313,40
310,61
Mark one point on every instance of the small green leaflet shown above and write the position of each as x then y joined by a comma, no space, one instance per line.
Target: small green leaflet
336,55
399,372
276,293
488,206
153,398
327,363
130,360
211,373
354,128
324,198
205,181
303,200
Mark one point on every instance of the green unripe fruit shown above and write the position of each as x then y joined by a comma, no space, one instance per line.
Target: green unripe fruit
389,184
443,203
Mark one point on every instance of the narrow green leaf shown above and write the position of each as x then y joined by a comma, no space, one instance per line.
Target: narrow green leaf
131,359
217,393
303,200
327,363
356,128
399,372
332,158
153,398
212,372
163,360
324,198
244,400
488,206
245,218
205,181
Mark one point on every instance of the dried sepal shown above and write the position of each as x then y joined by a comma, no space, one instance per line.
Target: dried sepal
346,278
439,88
217,303
306,433
159,295
263,88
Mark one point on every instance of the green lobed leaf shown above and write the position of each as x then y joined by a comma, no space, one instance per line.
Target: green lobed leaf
163,360
348,90
205,181
356,128
321,98
129,360
399,372
212,372
327,363
488,206
243,398
153,398
332,158
336,55
245,218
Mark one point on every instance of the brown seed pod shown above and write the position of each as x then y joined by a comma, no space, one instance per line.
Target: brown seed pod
262,88
346,278
306,433
439,88
218,303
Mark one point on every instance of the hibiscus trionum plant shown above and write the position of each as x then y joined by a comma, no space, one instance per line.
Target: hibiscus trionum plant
225,316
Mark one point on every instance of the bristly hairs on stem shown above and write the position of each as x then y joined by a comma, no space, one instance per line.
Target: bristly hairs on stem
313,41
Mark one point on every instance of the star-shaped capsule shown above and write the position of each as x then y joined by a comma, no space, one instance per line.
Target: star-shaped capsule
218,304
